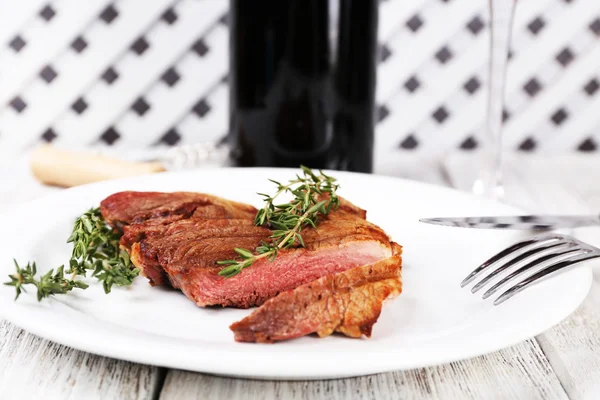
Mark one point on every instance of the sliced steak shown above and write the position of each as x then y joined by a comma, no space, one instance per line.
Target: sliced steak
125,208
348,302
174,241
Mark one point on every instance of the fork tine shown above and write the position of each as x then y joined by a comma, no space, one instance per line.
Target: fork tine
527,267
506,252
543,274
510,263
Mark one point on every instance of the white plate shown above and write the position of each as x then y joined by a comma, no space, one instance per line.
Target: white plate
432,322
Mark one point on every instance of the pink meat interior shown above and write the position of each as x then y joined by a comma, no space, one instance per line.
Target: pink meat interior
289,270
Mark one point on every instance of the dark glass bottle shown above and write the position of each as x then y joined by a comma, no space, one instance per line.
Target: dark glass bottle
301,90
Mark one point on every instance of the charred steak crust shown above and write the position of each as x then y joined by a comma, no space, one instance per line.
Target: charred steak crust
126,208
146,214
177,238
349,302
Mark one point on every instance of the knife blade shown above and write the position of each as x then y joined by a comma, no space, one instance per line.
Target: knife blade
523,222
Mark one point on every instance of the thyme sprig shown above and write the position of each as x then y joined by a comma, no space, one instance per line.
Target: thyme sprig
47,285
313,195
95,249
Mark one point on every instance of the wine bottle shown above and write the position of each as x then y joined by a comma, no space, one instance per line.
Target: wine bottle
302,84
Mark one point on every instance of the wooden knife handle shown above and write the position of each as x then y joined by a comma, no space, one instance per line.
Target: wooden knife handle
69,168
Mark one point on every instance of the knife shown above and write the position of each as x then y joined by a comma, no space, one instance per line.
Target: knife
525,222
66,168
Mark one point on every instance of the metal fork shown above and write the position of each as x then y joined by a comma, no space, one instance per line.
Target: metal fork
550,253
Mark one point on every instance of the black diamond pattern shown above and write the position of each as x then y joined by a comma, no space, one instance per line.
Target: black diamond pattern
140,46
412,84
79,106
595,26
49,135
587,145
109,14
440,115
170,77
475,25
565,57
17,43
110,136
414,23
79,44
528,144
140,106
536,25
172,137
169,16
224,19
469,144
409,143
384,53
559,116
382,113
201,108
532,87
443,55
472,85
47,13
505,115
110,75
200,47
591,87
48,74
18,104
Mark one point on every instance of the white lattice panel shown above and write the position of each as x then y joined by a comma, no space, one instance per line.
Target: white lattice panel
137,73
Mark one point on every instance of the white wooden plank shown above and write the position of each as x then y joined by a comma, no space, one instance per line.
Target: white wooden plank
43,369
573,347
566,185
521,372
516,373
32,368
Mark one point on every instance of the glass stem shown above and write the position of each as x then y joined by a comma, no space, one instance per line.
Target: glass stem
489,183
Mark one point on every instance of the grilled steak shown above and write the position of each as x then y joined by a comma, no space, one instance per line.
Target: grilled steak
125,208
177,238
349,302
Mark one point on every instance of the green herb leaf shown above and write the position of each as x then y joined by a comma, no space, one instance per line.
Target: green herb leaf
244,253
288,219
95,249
49,284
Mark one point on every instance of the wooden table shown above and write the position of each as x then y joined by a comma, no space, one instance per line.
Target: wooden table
562,363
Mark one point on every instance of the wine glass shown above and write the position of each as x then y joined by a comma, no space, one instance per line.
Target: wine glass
489,181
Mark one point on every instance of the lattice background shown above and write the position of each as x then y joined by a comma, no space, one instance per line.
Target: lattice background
136,73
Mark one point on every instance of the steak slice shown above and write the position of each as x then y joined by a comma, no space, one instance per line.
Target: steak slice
349,302
178,240
185,248
187,252
142,214
125,208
